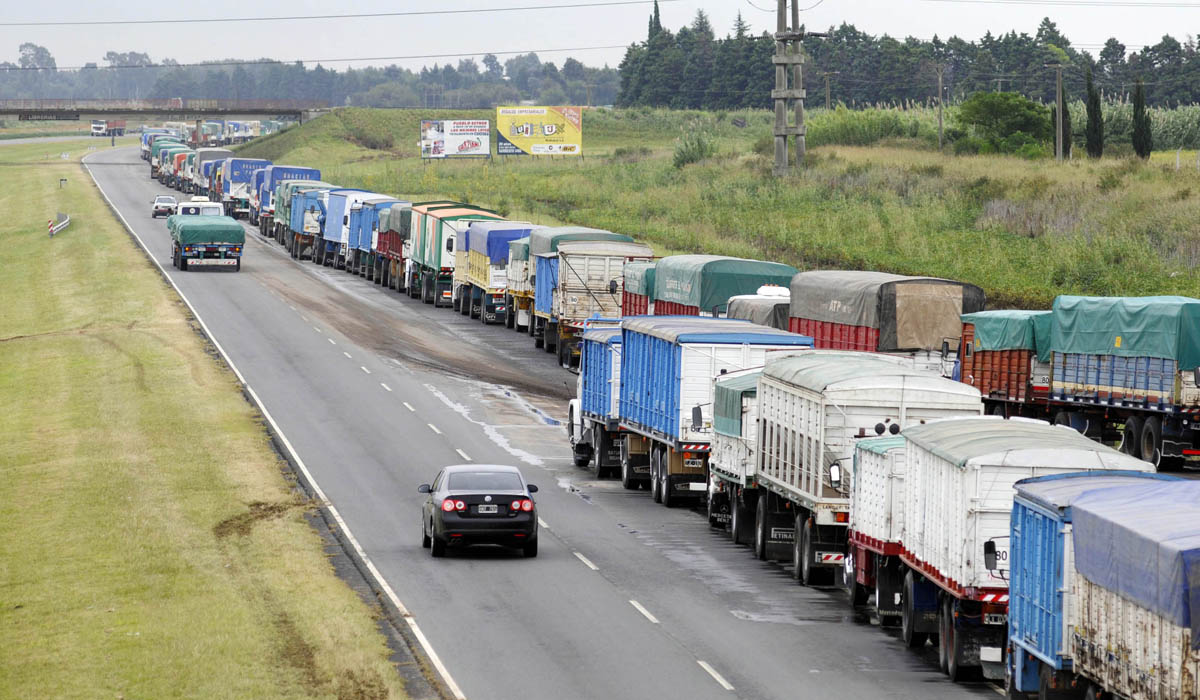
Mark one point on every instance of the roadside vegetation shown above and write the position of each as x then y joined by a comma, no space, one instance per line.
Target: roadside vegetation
153,547
1025,230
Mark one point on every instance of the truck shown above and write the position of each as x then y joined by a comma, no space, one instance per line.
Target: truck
189,173
335,237
593,417
1072,634
637,293
518,298
156,150
667,369
394,246
1006,355
205,241
256,181
701,285
954,547
166,162
283,232
364,233
306,220
237,175
150,134
273,174
769,306
581,279
812,409
207,172
438,228
108,127
486,268
733,460
543,275
374,216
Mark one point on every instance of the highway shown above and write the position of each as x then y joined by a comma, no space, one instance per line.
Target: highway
627,599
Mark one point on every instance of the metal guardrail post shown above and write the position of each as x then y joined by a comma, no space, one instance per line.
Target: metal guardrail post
57,225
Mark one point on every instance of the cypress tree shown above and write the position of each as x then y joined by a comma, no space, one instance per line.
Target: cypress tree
1143,140
1095,120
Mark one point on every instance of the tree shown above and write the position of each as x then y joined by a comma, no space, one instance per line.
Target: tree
1143,140
655,23
493,71
1066,122
999,115
1095,120
36,57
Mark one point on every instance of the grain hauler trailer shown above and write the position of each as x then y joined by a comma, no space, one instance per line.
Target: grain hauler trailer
438,229
580,280
881,312
238,175
178,167
486,267
272,176
637,295
256,182
156,149
812,409
593,421
769,306
733,461
334,247
1006,356
149,134
205,241
376,217
518,298
189,173
701,285
306,219
364,233
166,159
1049,623
668,364
958,500
395,245
282,229
214,156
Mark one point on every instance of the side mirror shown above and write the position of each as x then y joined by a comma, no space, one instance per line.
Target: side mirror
532,488
945,349
835,476
1196,376
697,418
989,555
612,286
532,280
424,488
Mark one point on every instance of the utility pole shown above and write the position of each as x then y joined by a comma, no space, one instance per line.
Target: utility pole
589,87
1058,116
788,54
941,68
998,81
828,104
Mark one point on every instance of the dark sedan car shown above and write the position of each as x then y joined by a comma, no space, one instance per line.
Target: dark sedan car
479,504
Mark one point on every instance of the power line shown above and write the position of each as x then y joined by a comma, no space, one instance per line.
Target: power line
414,13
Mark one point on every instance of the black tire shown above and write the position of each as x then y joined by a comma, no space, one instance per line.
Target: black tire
1152,440
530,549
425,538
627,482
668,500
737,518
182,263
655,491
912,638
954,647
811,575
1131,436
797,550
237,267
174,258
856,593
564,355
437,547
711,511
945,636
998,410
760,527
510,318
598,469
889,620
550,338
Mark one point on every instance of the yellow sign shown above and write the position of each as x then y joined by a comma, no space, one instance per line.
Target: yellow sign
539,131
1118,343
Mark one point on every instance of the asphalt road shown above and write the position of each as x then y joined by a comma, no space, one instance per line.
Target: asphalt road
626,599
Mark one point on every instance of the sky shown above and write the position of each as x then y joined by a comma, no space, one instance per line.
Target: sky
1087,23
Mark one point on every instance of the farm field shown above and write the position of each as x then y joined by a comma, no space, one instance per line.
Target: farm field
152,543
1024,230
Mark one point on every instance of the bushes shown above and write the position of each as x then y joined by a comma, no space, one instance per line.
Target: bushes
864,127
694,146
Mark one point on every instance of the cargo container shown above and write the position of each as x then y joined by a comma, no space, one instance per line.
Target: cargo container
236,179
769,306
545,242
637,296
165,159
272,176
1043,619
733,461
1006,356
701,285
882,312
593,419
205,241
580,280
306,218
486,268
334,249
667,369
178,163
394,247
954,549
518,298
438,229
284,234
812,409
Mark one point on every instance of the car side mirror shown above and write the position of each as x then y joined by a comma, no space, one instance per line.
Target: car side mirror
945,349
697,418
612,286
424,488
989,555
835,476
532,488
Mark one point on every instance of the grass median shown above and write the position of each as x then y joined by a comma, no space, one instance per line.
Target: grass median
152,546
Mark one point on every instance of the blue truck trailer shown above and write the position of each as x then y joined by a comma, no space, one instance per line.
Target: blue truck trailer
237,174
363,233
485,272
272,176
256,181
306,220
593,419
335,250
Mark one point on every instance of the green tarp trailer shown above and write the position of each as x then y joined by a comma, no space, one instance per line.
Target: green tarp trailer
693,284
638,288
1012,329
546,240
727,401
1167,327
203,230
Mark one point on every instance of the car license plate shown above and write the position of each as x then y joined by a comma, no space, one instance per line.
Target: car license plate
488,509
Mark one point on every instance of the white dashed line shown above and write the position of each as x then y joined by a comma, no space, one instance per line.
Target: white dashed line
347,355
644,611
434,428
385,386
586,562
331,341
542,523
291,307
409,406
302,318
316,329
463,455
716,676
364,369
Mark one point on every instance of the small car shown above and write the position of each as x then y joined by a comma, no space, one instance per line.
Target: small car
479,504
163,205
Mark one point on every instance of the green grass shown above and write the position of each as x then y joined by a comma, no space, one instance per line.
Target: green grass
1025,231
153,547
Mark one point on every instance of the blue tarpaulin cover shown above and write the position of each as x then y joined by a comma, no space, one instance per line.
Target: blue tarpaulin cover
1144,543
492,237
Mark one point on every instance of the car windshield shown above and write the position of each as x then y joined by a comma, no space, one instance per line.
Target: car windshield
485,481
211,211
164,200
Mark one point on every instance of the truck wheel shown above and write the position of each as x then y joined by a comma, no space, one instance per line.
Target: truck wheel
182,263
797,565
1131,436
564,355
1152,440
510,318
908,620
655,491
811,575
581,454
713,510
857,593
627,481
760,527
602,449
945,635
550,337
665,490
237,267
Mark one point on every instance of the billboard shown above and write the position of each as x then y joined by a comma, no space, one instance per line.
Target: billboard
456,138
539,131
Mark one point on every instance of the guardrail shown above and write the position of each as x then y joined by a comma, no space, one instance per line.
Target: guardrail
58,224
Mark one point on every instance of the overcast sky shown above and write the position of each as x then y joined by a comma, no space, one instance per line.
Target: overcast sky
521,31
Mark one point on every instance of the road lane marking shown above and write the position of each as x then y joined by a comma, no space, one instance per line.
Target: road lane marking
586,562
434,428
409,406
385,386
644,611
331,341
292,308
304,318
716,676
543,523
364,369
347,355
463,454
436,660
316,329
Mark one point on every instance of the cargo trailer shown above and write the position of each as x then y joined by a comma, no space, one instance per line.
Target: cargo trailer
214,156
256,182
236,181
438,229
282,231
733,461
701,285
395,245
769,306
593,419
205,241
306,218
273,175
485,272
637,295
335,250
518,298
1006,355
369,213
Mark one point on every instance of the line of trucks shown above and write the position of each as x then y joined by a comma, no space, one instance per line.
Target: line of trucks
989,482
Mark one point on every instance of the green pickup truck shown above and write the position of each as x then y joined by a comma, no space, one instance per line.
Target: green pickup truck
215,241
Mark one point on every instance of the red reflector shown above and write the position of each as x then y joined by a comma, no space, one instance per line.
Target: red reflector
841,517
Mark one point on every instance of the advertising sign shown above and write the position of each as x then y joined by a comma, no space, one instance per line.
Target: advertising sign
456,138
539,131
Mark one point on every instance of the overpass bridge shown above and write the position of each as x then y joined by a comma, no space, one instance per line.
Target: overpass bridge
170,109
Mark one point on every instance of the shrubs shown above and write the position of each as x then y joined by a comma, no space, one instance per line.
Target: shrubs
1007,122
694,146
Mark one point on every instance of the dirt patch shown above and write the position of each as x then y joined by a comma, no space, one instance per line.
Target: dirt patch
138,368
298,653
356,686
242,523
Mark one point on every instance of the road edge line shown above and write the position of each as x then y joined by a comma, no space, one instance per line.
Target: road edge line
293,458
